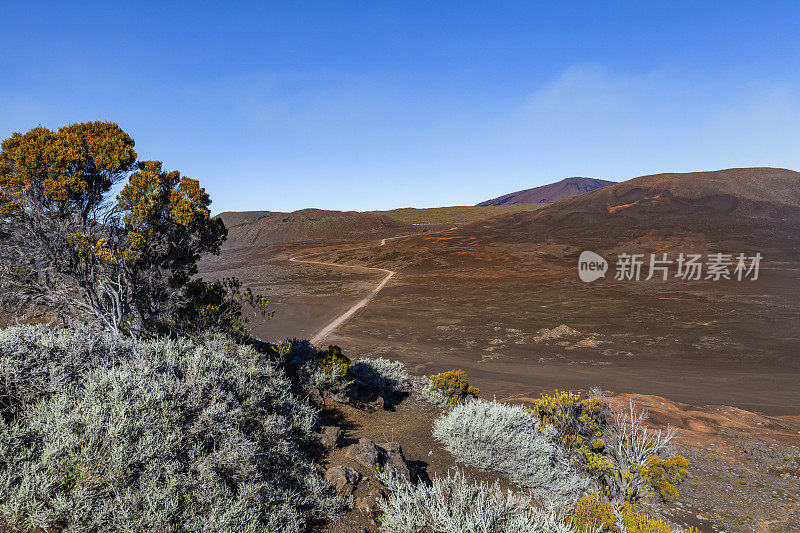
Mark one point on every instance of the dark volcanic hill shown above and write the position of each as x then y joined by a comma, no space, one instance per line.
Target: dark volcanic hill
553,192
263,228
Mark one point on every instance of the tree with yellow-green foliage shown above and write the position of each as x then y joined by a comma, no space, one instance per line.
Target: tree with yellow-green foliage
124,264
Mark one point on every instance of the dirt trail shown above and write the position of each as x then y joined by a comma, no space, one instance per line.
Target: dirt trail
344,317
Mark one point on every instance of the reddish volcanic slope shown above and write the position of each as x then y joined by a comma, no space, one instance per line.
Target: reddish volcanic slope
754,205
553,192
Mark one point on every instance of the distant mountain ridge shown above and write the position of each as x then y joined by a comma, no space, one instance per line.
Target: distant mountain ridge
750,206
264,228
550,193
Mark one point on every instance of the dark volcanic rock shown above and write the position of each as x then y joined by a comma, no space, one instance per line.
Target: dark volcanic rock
364,453
330,437
343,479
369,502
394,460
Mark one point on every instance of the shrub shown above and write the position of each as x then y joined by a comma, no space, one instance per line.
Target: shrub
663,473
593,512
378,377
635,462
452,505
449,388
333,361
617,451
579,424
180,435
507,439
324,371
36,363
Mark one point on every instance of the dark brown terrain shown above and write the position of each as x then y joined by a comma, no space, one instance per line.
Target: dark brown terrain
488,297
550,193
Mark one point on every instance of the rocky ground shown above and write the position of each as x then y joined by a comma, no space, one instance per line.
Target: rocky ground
745,467
744,473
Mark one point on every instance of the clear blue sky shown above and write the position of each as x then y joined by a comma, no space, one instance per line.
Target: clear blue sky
373,105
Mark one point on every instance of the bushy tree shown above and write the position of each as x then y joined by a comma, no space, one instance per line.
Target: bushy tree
125,265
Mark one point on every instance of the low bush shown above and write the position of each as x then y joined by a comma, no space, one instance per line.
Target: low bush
188,435
378,377
36,363
505,438
664,473
594,513
330,372
579,424
333,361
323,371
449,388
635,462
452,505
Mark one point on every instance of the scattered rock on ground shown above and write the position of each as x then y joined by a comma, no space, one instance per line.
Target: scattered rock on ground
378,403
587,343
343,479
558,332
330,437
369,502
395,462
364,453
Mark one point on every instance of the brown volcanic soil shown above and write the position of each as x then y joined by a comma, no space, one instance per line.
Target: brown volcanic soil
550,193
475,297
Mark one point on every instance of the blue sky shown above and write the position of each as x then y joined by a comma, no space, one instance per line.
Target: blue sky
376,105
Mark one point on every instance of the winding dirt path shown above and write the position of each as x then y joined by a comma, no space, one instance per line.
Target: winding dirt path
344,317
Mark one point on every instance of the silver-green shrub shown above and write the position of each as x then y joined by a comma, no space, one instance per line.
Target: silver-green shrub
433,395
505,438
36,362
116,435
452,505
378,377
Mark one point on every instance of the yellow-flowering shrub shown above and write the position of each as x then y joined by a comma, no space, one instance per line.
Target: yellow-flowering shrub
582,427
333,360
453,385
579,424
664,473
593,511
